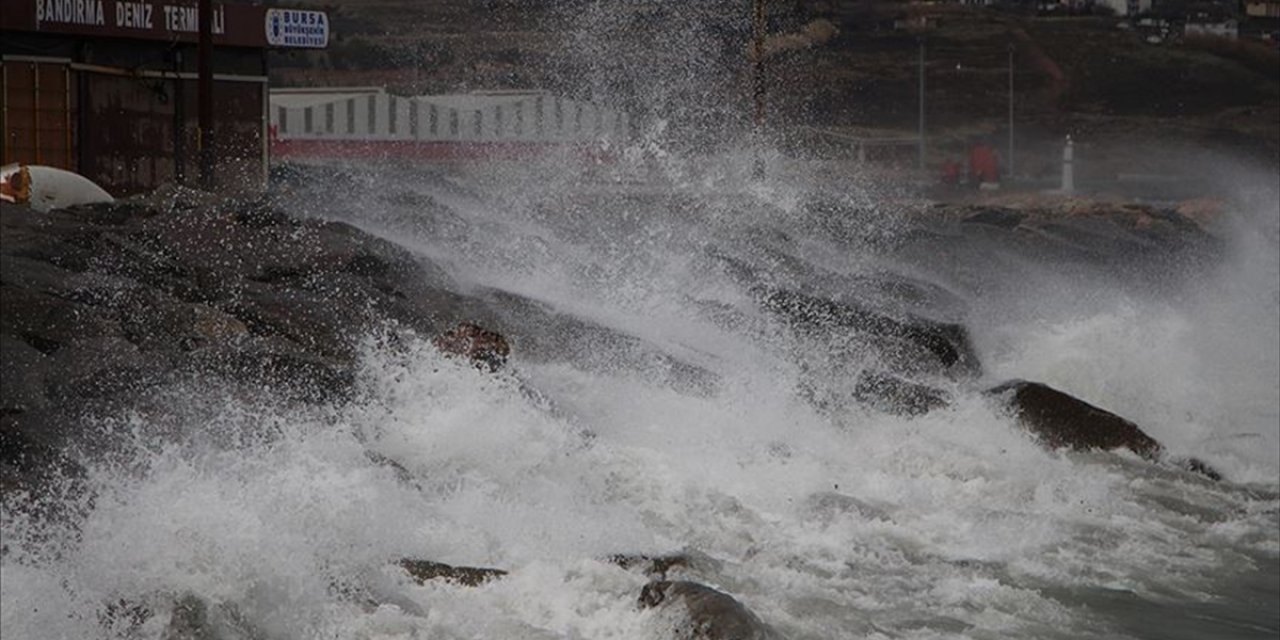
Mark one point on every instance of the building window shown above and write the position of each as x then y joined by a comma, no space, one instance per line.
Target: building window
373,114
453,123
284,120
328,118
391,114
351,115
306,119
433,115
519,128
478,121
413,118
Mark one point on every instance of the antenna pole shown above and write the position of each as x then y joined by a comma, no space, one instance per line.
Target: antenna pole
920,133
758,85
1009,171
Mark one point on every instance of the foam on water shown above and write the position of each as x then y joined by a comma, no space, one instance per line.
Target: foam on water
828,522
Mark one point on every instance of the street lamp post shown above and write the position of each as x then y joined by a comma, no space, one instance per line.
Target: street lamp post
920,132
758,86
1010,160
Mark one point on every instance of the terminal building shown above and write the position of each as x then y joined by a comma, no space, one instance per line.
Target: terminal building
108,88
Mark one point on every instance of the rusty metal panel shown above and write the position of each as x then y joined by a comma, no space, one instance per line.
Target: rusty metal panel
127,139
39,114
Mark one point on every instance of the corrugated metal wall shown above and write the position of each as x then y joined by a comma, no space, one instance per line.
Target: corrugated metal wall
130,129
39,113
129,139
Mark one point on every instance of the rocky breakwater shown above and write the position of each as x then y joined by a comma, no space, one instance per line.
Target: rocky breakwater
908,363
100,303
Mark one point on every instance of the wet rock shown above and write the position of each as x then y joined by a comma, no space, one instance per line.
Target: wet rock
826,506
100,304
1196,465
547,335
997,217
33,455
1062,421
487,349
425,570
123,616
703,613
656,566
25,369
929,346
195,618
895,395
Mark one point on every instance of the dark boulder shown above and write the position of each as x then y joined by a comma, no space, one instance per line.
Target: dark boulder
1061,421
913,343
101,304
549,335
196,618
657,567
424,570
703,613
895,395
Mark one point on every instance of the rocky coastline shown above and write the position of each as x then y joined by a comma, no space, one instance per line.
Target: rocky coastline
101,303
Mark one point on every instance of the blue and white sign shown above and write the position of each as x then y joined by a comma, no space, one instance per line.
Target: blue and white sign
297,28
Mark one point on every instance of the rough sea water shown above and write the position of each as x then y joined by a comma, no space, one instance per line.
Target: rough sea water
688,419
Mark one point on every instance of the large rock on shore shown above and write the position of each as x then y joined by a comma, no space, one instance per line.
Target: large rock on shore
100,303
895,395
423,571
908,343
702,613
1061,421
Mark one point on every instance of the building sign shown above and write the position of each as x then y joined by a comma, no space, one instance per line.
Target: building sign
234,24
297,28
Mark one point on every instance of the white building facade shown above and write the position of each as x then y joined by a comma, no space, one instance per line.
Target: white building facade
372,114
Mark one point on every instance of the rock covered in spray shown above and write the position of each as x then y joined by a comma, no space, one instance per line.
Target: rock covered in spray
423,571
700,612
100,304
913,343
1061,421
896,395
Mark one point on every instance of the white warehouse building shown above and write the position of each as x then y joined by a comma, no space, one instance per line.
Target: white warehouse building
370,114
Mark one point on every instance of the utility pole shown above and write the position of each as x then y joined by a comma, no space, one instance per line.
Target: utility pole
920,133
179,120
1009,162
204,63
758,86
1068,170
